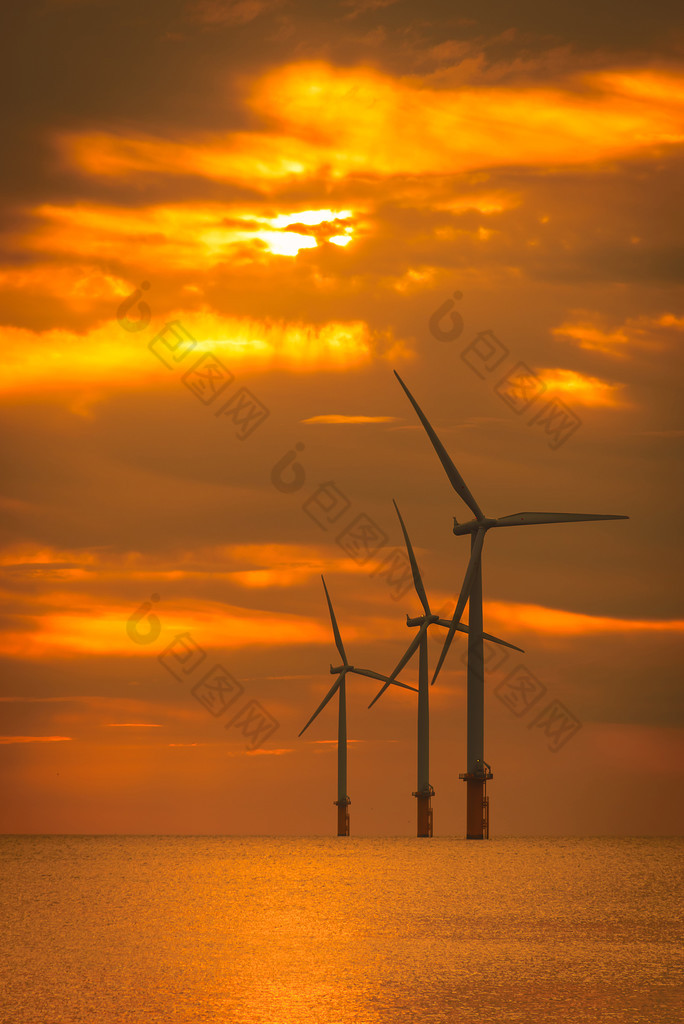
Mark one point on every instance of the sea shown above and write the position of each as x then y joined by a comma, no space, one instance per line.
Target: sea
266,930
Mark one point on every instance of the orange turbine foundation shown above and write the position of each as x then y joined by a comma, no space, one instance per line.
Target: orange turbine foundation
424,822
343,817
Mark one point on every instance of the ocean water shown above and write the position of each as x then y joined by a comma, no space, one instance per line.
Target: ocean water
105,929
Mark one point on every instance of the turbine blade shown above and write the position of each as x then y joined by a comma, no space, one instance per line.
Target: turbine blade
369,672
328,696
410,651
485,636
534,518
475,554
455,478
417,581
379,694
504,643
404,686
408,654
394,682
376,675
336,632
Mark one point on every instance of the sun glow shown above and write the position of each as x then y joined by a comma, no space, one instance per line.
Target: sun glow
309,217
181,235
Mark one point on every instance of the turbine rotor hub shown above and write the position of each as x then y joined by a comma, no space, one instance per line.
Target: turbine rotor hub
460,529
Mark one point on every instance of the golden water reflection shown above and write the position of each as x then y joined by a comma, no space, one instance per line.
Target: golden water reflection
323,931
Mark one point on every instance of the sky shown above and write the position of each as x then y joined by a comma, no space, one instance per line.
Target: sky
225,223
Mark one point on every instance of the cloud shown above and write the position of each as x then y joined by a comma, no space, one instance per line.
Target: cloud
98,628
588,336
107,357
332,742
538,619
581,388
360,7
338,418
34,739
338,122
132,725
223,13
248,565
278,752
589,330
101,627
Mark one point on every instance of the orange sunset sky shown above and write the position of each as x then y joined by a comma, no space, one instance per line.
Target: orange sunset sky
292,191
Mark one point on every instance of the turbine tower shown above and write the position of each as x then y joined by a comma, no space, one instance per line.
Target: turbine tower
478,771
343,800
424,791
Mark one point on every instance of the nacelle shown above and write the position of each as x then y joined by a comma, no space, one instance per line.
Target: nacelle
460,529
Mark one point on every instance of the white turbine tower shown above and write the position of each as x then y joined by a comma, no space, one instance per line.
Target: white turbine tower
477,818
343,800
424,791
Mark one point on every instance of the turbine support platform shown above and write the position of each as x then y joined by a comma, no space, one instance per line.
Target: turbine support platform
424,809
343,816
477,803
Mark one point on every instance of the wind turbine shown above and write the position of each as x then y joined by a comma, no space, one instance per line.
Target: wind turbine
424,791
339,685
478,771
